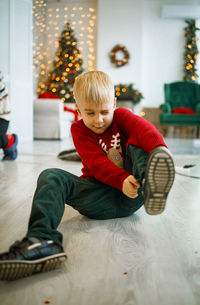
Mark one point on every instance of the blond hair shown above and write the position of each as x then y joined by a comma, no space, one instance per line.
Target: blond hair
93,87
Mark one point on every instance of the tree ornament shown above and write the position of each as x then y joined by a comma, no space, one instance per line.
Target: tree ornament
116,58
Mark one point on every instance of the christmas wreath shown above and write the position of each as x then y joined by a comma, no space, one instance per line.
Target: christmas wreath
113,55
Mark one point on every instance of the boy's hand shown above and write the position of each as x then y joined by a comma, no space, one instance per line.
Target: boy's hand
130,187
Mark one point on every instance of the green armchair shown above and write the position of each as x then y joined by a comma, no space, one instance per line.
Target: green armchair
182,104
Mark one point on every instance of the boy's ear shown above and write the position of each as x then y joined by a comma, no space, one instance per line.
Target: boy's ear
77,109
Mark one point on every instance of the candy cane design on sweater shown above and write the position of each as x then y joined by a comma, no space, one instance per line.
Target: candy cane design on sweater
114,153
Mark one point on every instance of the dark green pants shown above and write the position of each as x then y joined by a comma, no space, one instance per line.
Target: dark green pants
91,198
3,129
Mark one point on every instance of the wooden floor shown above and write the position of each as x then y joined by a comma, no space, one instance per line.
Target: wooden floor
138,260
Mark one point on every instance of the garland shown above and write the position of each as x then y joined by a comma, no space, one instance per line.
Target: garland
127,92
191,51
119,62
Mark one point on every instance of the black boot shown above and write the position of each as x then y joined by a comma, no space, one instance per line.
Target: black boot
29,256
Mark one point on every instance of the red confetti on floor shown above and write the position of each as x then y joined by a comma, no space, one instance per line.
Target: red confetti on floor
47,302
125,272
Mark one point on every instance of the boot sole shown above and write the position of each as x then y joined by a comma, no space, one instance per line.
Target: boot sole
159,177
11,270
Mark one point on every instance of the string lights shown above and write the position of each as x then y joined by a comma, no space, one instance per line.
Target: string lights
48,21
191,51
127,92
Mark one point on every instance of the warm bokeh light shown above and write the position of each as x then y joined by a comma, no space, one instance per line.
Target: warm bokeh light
47,27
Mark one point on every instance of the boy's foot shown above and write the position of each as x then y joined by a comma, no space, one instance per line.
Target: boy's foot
69,155
11,152
30,256
158,180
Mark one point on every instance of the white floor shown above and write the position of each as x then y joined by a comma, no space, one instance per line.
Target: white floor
176,146
138,260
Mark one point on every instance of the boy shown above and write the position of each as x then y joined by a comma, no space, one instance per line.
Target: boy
125,164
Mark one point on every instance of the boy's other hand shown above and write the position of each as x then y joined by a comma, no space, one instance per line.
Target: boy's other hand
130,187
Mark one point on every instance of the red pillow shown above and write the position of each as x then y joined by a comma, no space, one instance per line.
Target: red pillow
184,110
48,95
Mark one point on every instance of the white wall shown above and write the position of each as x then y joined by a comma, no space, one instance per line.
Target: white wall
156,45
16,63
162,53
120,22
4,49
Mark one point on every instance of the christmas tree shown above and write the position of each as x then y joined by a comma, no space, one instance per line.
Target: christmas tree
67,65
191,51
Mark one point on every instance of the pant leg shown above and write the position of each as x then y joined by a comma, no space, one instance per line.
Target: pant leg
56,187
3,129
3,141
135,164
136,161
91,198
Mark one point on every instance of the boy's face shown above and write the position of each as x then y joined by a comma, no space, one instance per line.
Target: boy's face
97,117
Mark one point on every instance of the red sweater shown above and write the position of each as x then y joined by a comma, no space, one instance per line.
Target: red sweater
97,150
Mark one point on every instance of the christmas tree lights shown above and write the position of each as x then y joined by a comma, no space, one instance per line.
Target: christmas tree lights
67,65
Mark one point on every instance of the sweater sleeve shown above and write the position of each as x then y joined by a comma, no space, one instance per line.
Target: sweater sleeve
138,131
94,159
